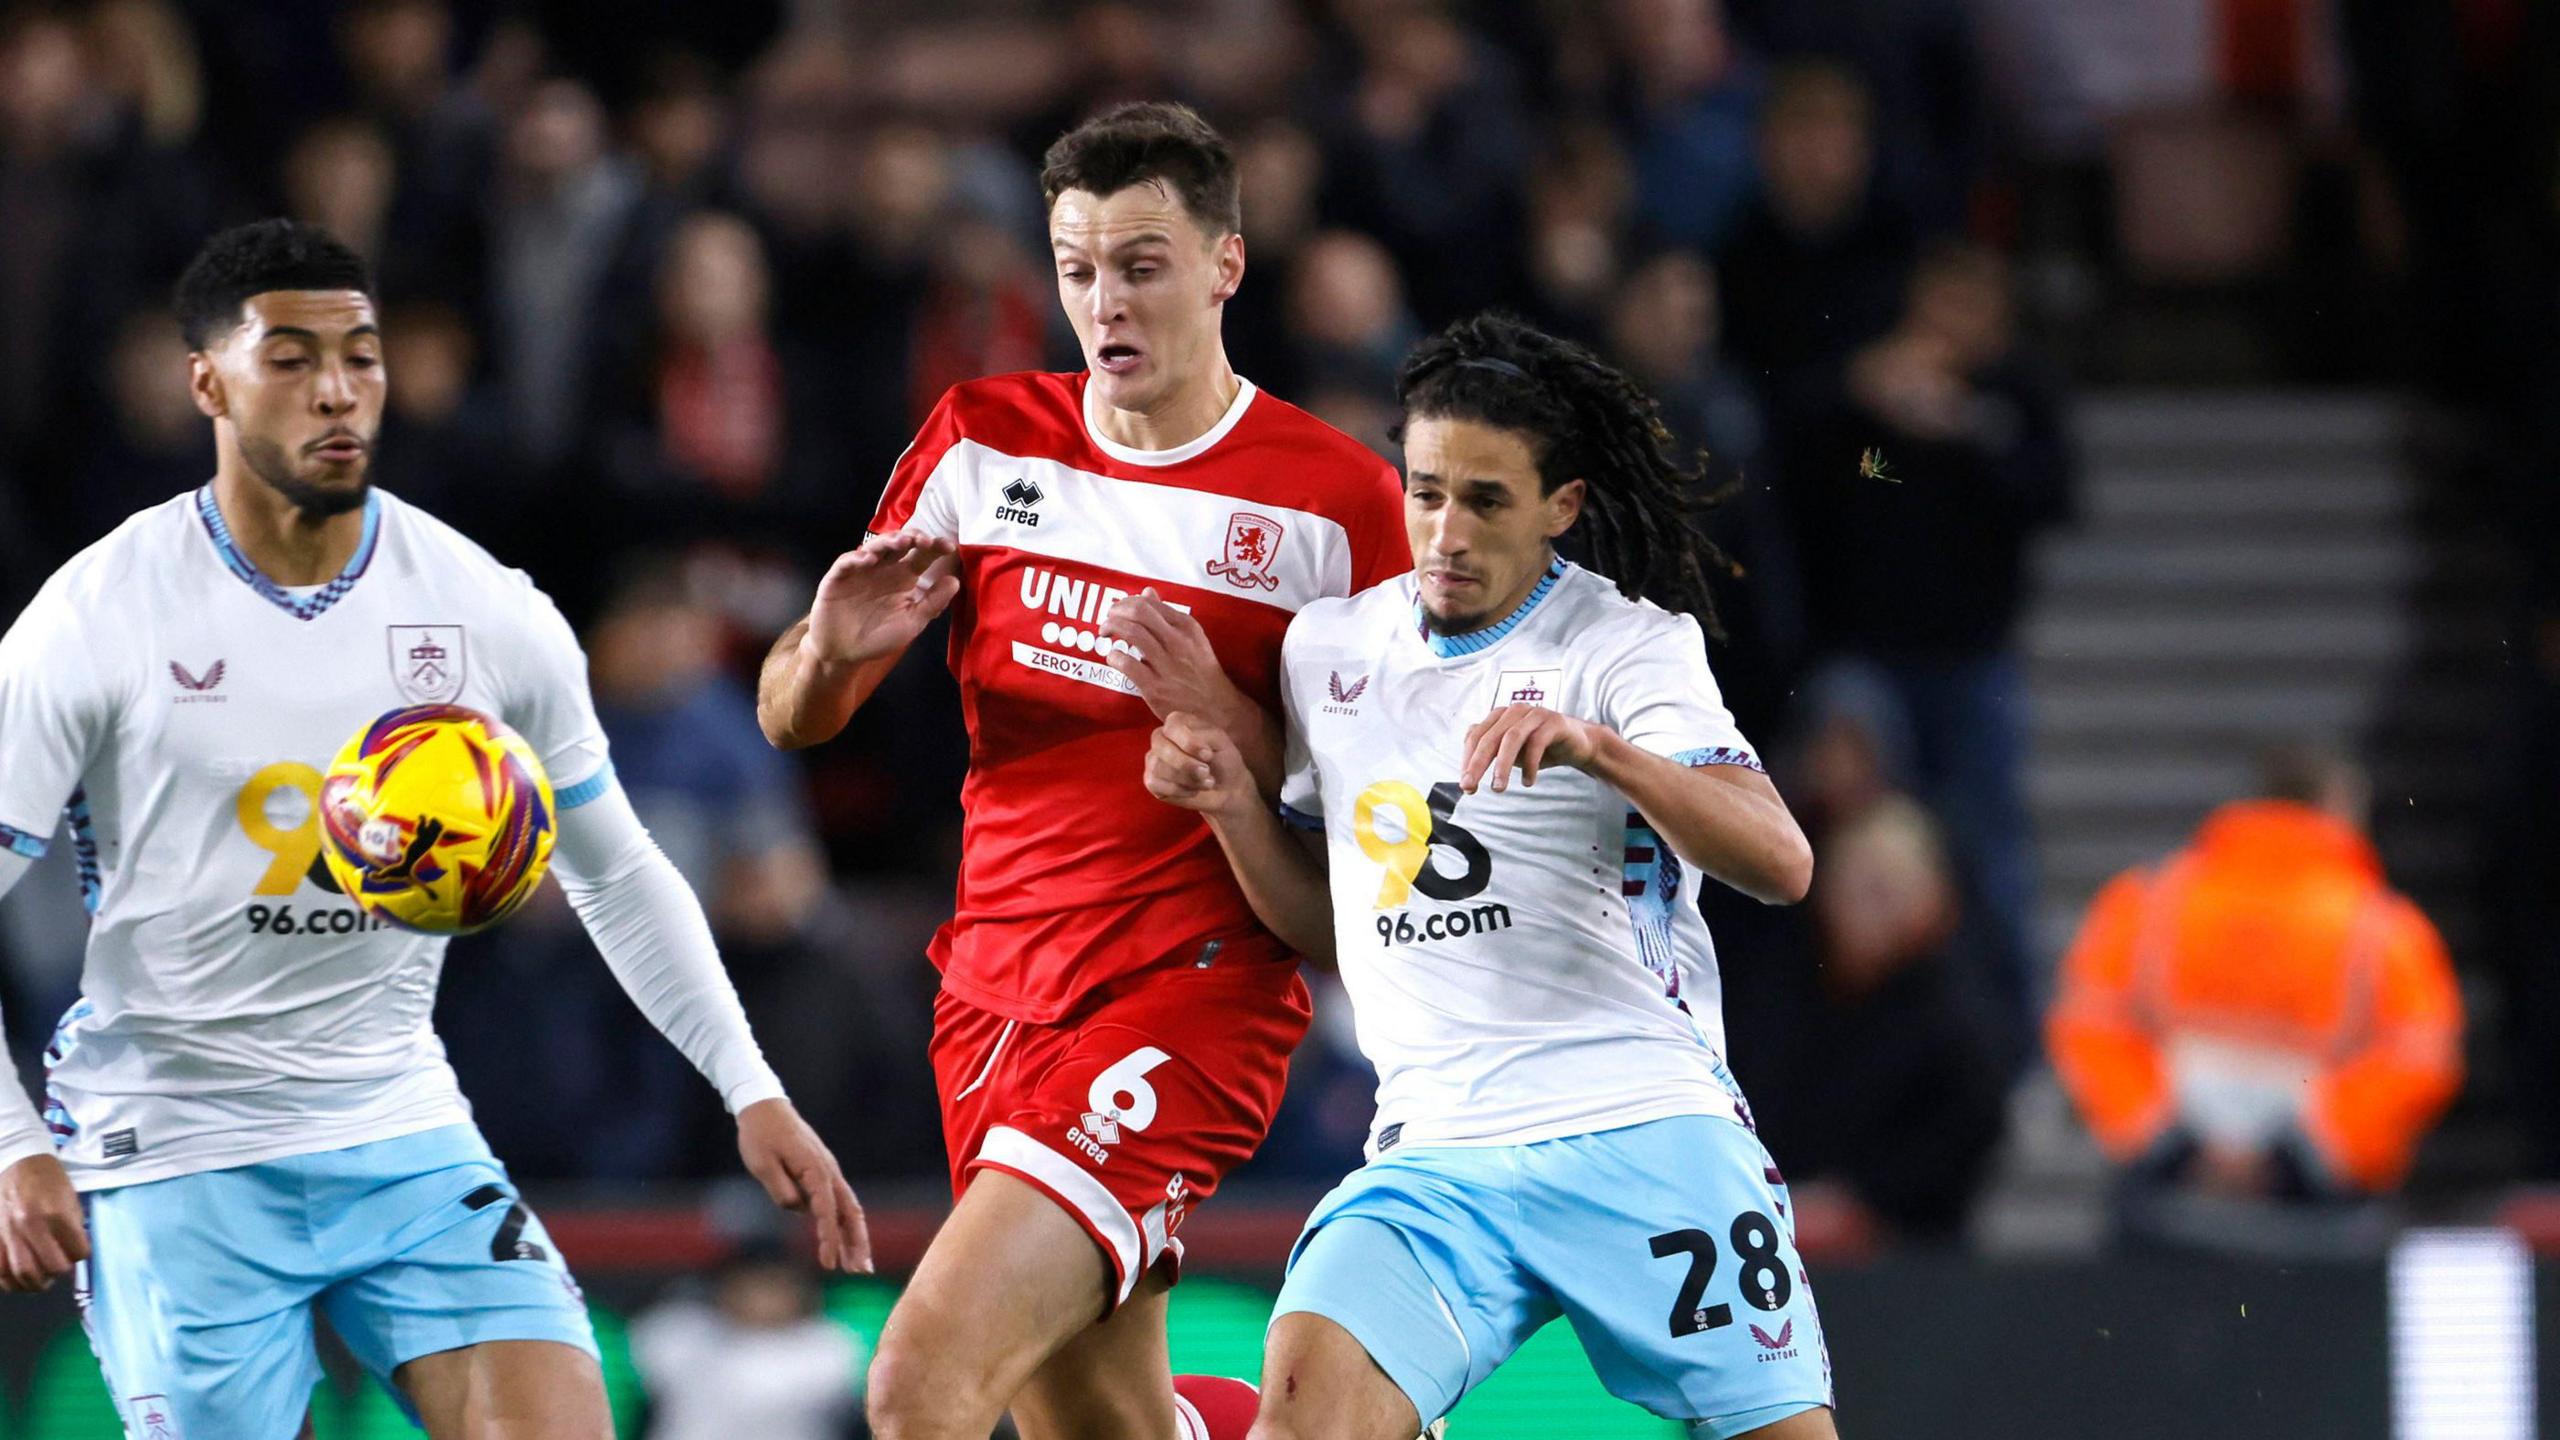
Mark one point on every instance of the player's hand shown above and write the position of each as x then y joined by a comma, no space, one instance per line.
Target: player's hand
41,1234
795,1168
1527,738
879,596
1170,659
1195,765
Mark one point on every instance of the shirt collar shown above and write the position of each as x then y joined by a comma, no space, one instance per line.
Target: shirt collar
300,607
1198,446
1451,647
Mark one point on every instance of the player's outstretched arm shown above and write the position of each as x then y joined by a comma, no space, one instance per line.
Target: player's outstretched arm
870,607
1727,820
41,1234
655,938
1196,765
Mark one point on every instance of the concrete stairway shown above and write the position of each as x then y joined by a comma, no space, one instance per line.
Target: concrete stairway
2245,569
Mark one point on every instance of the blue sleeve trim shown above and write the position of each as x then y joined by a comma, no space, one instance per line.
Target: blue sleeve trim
591,788
19,842
1720,755
1300,819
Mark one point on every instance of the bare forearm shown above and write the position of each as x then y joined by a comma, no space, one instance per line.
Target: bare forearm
1283,882
802,699
1739,833
1257,734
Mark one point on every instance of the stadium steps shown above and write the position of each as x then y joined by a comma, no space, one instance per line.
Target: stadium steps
2245,568
2248,568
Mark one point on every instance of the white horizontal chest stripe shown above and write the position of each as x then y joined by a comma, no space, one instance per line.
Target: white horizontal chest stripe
1272,554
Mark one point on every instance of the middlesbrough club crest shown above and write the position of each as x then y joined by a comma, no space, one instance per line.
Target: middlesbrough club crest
1253,543
427,662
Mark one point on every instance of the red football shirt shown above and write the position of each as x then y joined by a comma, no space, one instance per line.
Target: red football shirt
1072,876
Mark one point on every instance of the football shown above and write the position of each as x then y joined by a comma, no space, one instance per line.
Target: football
439,819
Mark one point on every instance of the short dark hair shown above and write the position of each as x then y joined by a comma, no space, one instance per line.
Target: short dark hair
1149,140
253,259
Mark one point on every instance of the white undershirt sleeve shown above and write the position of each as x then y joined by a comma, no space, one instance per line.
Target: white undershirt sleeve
652,931
22,1130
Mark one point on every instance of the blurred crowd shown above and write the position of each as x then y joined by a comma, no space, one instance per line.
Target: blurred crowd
665,292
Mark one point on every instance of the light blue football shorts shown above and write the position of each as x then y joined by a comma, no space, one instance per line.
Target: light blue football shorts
199,1290
1668,1245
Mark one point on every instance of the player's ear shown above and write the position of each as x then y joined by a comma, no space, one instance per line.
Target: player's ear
1229,260
204,386
1564,507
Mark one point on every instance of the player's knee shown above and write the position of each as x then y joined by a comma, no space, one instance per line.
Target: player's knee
1286,1413
909,1397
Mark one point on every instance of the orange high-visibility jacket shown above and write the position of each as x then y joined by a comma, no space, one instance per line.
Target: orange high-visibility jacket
2272,930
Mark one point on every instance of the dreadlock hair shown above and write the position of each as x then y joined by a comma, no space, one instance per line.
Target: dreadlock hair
1584,420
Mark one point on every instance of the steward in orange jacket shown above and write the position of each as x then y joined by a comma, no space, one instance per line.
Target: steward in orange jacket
2263,1002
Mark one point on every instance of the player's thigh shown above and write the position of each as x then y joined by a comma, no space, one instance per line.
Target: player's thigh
1130,1120
1414,1256
1812,1424
508,1390
1009,1280
455,1294
1671,1247
190,1299
1320,1383
1109,1381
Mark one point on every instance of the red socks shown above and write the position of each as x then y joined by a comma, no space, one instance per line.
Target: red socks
1214,1407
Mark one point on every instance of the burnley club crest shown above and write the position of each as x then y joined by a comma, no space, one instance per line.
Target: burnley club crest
427,662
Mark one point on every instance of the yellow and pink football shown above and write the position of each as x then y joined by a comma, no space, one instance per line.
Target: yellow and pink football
439,819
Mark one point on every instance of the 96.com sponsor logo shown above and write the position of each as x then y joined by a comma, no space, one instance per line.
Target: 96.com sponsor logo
316,920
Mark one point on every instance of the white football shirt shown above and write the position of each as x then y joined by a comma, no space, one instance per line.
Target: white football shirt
179,708
1526,964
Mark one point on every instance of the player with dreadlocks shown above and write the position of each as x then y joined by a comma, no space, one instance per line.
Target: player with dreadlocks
1557,1133
1639,507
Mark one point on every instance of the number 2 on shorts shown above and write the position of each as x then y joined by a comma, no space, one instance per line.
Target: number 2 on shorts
1766,1285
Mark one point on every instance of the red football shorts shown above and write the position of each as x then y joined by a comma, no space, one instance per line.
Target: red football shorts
1130,1111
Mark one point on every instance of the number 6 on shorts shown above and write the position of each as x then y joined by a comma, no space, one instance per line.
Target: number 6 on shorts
1122,1093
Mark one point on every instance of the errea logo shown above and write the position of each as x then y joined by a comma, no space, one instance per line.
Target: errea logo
1021,496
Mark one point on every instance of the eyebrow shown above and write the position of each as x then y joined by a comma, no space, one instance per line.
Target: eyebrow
1147,237
298,332
1477,486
